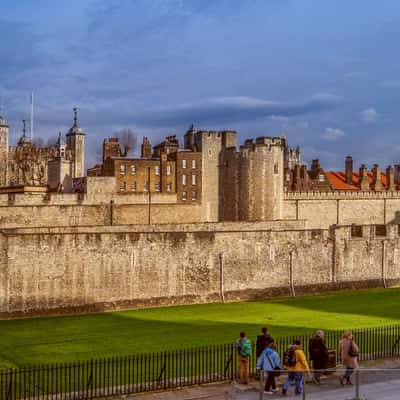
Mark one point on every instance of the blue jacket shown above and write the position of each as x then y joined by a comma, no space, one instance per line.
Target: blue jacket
268,360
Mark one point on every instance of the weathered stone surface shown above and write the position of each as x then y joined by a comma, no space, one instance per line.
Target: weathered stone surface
75,269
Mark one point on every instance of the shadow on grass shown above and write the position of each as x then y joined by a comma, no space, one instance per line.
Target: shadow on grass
64,339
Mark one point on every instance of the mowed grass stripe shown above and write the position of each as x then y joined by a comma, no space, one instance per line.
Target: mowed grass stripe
64,339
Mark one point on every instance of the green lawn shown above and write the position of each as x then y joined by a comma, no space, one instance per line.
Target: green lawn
59,339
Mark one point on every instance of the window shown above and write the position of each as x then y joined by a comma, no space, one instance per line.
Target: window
157,170
146,186
321,177
194,178
122,186
194,164
122,169
133,169
194,195
133,186
157,186
183,179
168,169
169,186
184,195
184,164
275,168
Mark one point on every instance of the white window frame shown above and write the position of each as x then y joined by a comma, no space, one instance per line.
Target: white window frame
184,164
194,180
133,186
169,186
157,170
145,186
194,164
122,169
184,179
184,195
122,186
157,186
133,169
194,195
169,169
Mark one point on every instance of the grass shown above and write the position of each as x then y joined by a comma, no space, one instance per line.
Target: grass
60,339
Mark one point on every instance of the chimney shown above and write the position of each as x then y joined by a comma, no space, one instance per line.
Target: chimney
376,178
304,177
315,168
397,176
146,148
349,170
296,178
363,178
390,179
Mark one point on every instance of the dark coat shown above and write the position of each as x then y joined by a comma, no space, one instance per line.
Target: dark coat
318,353
263,341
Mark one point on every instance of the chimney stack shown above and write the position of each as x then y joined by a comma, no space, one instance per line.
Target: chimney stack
304,177
146,148
376,178
397,176
363,178
349,170
390,179
315,168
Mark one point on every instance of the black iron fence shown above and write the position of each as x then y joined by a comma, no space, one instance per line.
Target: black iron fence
165,370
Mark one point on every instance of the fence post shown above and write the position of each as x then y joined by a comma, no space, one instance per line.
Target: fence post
304,396
357,385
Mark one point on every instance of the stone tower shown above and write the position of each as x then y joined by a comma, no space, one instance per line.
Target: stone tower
210,144
76,145
3,152
261,179
59,169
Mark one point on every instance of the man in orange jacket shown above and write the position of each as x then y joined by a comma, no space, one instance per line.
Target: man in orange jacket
296,363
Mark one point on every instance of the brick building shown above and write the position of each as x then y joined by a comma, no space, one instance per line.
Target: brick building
165,168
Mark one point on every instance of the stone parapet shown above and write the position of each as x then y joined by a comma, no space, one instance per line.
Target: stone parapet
341,195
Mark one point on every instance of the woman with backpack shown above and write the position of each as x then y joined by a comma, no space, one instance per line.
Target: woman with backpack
270,362
348,353
243,346
296,363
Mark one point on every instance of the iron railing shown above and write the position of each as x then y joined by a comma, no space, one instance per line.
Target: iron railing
166,370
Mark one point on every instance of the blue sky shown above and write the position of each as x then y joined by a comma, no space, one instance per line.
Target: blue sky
324,73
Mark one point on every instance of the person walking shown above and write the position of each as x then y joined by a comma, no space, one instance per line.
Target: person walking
349,354
243,346
296,363
270,362
318,355
263,341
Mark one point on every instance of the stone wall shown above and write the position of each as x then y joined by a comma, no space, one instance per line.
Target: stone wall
48,270
324,209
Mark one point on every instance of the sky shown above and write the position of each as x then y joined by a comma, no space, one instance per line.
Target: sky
325,74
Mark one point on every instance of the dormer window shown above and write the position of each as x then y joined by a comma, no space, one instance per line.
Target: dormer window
321,177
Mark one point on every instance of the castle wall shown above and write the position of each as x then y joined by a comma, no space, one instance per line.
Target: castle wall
324,209
76,269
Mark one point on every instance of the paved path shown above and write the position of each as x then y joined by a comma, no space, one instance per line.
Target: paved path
374,385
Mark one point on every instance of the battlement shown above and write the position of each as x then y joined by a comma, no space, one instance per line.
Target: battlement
341,194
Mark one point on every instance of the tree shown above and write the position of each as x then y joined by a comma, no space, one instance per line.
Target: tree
127,139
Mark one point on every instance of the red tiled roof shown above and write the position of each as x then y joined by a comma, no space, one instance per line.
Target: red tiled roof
338,180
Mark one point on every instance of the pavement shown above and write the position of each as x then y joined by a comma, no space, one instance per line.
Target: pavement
379,380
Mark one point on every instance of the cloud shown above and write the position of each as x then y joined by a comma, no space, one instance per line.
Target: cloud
390,84
280,118
333,134
369,115
228,110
